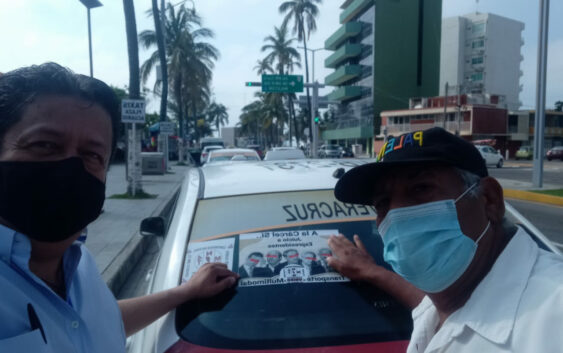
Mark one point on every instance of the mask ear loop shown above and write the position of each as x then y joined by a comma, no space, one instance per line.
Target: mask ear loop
485,231
466,191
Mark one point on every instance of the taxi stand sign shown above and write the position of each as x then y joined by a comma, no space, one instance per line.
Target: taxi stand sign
133,111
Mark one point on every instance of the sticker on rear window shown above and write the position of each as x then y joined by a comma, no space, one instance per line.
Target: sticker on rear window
282,257
220,250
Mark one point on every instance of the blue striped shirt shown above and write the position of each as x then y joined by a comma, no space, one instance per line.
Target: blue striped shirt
35,319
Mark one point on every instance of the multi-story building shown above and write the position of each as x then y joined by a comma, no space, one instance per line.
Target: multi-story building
475,117
385,51
480,54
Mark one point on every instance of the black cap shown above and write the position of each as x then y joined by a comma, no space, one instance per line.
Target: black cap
434,145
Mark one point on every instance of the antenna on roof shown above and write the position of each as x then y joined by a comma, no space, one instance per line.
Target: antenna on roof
476,6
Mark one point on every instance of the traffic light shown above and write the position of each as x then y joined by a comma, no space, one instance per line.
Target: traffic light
253,84
317,120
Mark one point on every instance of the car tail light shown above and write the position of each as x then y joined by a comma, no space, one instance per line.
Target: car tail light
387,347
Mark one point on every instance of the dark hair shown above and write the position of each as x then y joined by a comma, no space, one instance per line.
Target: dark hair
19,88
288,251
255,254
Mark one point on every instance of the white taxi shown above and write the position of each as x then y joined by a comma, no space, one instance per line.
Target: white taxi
270,221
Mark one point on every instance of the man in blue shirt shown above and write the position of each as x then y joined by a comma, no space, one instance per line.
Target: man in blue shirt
57,133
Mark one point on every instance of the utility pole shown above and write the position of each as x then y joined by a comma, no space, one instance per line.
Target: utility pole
445,107
539,124
314,107
458,112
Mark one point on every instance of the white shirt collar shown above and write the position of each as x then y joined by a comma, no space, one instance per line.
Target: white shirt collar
492,307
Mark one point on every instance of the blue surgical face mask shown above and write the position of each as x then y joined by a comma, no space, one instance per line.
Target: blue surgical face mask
425,245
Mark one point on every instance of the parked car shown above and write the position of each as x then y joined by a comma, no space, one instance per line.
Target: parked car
258,150
525,152
232,154
211,141
228,212
206,150
284,153
347,152
554,153
330,151
491,156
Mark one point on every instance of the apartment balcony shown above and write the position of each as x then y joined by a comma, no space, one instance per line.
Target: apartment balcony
345,93
348,30
345,52
356,7
343,74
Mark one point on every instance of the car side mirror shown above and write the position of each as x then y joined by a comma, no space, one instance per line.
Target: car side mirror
153,226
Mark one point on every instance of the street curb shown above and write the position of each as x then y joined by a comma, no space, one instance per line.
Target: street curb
116,274
533,196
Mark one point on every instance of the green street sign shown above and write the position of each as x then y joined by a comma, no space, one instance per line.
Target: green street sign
282,83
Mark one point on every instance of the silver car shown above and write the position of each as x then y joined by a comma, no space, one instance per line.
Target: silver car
270,221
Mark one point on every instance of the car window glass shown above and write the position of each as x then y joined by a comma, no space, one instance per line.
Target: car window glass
290,315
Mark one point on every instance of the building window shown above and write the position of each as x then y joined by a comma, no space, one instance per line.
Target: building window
477,60
366,51
478,76
366,71
478,28
478,44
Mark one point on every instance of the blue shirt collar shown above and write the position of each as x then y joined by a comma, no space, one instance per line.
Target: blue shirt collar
15,251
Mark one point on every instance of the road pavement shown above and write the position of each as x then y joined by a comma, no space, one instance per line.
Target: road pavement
114,238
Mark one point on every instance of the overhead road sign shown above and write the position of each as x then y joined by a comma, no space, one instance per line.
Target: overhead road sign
282,83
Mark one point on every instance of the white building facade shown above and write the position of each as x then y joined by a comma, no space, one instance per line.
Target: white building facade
481,54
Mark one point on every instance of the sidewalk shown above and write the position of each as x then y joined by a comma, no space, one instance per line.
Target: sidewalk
521,190
114,237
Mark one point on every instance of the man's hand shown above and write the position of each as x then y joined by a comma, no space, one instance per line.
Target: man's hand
211,279
352,260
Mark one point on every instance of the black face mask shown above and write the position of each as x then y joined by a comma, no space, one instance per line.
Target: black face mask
49,201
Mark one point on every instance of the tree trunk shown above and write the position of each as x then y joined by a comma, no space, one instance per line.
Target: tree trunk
134,177
307,81
159,30
294,122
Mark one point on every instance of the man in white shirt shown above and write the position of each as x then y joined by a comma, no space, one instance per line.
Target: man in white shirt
478,283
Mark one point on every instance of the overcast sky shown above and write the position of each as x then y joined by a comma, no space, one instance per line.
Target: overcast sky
36,31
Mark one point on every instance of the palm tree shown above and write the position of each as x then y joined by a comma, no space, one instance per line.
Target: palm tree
190,61
217,115
263,67
303,14
281,50
134,186
159,29
285,57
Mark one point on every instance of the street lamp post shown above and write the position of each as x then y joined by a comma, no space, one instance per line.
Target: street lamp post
313,57
89,5
313,112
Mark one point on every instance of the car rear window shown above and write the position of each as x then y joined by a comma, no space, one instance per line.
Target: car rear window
315,308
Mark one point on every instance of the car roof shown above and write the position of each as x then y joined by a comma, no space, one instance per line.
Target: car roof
212,147
276,176
233,150
284,154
